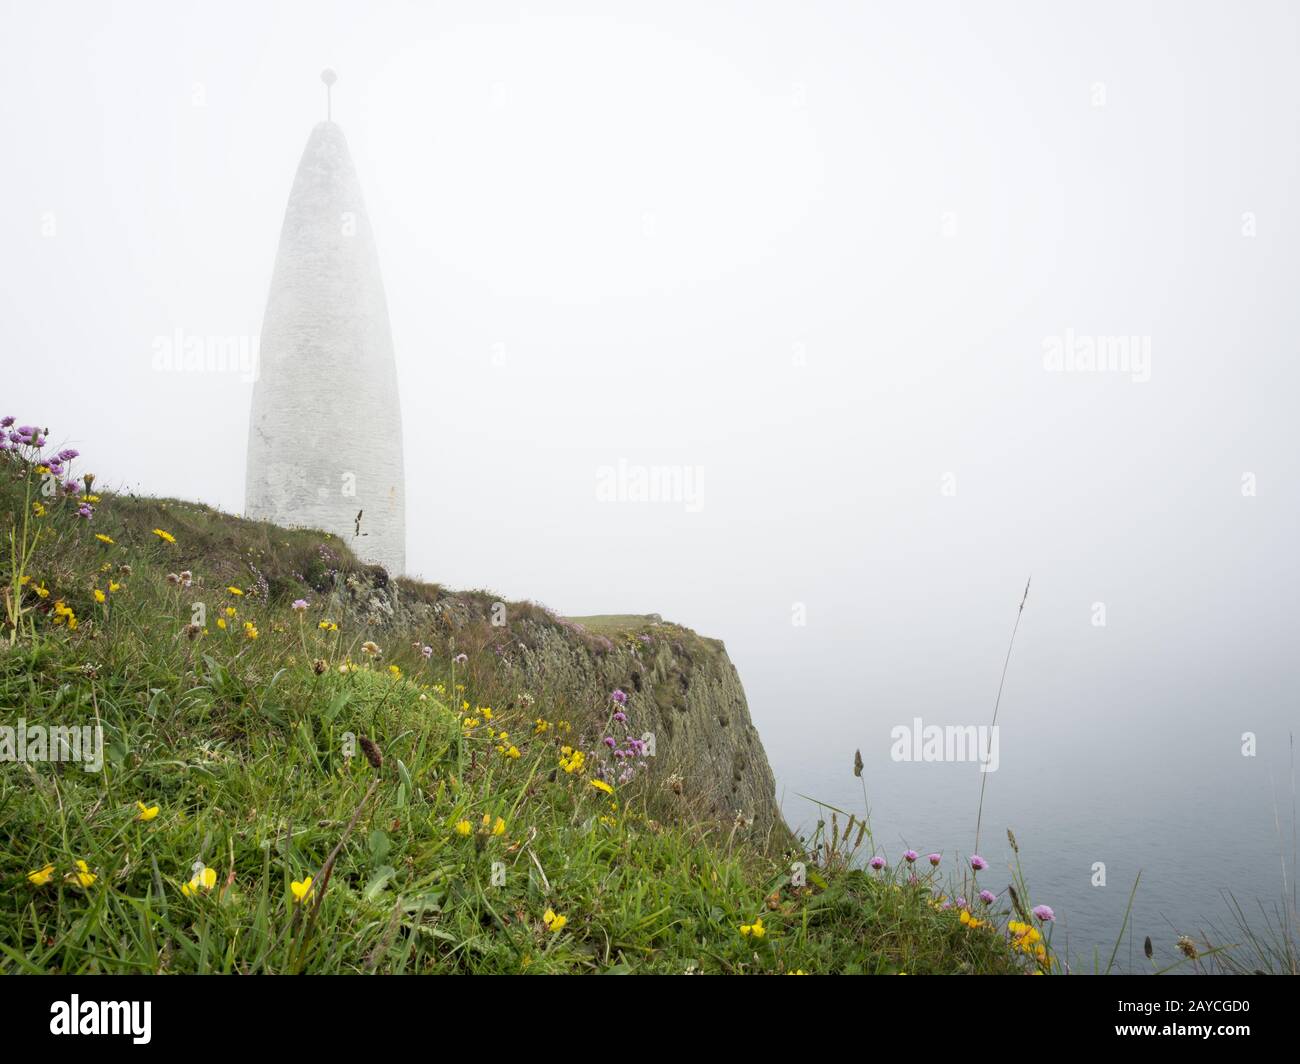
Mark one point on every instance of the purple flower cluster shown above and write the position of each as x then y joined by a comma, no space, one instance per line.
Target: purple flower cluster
25,442
628,752
635,748
23,435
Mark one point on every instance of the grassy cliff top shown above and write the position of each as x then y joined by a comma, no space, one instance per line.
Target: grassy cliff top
282,788
620,623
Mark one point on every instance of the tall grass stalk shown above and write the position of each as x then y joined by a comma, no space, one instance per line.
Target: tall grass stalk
984,776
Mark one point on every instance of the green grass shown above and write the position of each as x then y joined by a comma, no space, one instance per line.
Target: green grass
244,745
616,623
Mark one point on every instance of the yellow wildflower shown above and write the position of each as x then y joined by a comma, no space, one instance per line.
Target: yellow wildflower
397,673
601,785
103,538
83,876
204,880
572,761
41,876
302,890
553,921
147,812
166,537
235,591
756,929
100,597
1024,937
463,827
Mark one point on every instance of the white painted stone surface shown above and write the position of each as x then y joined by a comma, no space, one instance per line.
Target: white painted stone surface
325,436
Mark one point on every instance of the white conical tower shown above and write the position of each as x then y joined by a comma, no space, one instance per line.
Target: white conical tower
325,436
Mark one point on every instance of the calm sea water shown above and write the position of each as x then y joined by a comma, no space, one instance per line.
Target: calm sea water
1192,827
1127,752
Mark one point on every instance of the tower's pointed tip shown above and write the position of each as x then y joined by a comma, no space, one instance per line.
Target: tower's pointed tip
329,77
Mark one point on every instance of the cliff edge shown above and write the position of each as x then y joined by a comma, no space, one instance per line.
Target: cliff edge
684,691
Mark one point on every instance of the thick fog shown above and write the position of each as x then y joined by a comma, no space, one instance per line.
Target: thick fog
816,327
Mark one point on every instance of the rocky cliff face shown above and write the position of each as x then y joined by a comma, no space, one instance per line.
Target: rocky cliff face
683,688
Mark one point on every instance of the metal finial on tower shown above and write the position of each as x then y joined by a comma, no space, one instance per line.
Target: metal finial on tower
329,77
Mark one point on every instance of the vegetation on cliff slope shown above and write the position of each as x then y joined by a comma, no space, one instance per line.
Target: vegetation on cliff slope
284,788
